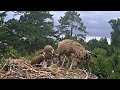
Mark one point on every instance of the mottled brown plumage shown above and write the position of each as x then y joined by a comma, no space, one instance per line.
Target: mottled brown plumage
73,51
45,55
38,59
48,49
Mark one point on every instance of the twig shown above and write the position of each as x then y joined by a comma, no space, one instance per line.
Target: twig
4,65
13,55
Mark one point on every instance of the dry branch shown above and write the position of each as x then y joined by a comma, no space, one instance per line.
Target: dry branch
22,69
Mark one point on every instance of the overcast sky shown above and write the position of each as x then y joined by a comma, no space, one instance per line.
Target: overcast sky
96,22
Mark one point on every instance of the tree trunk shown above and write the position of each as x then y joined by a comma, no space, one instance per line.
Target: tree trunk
71,31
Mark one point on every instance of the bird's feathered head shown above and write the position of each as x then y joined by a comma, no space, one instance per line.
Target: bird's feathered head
48,48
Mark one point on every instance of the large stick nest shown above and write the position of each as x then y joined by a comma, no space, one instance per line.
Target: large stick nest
22,69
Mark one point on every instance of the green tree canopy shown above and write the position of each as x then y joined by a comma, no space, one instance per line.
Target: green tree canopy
115,34
70,22
31,32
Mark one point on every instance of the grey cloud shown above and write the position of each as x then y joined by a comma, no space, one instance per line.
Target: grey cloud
9,16
96,22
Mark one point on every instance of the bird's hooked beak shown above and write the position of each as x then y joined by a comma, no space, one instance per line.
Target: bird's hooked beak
92,54
95,55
